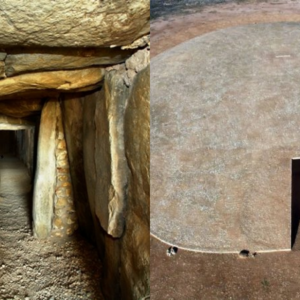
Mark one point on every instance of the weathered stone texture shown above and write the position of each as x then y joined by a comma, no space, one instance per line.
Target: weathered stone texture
28,62
53,205
111,166
126,259
19,108
72,108
2,70
77,23
135,256
59,80
137,62
65,218
45,177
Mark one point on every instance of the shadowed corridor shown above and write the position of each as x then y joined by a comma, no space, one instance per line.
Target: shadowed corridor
39,269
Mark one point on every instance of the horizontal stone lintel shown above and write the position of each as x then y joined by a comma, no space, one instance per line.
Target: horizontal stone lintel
71,80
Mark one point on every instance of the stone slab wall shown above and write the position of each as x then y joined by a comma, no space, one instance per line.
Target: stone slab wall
53,205
107,135
65,218
72,108
135,255
125,259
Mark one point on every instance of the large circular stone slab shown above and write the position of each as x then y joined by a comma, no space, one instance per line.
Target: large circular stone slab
225,125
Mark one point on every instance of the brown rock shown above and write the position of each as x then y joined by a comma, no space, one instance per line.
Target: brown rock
60,192
70,60
57,223
61,155
135,256
61,144
60,80
63,178
61,202
111,166
2,70
22,107
62,163
73,23
62,170
43,195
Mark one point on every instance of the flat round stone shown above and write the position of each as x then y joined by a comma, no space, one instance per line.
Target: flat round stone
225,125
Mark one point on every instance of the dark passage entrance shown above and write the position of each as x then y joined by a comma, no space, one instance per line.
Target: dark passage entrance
295,201
7,142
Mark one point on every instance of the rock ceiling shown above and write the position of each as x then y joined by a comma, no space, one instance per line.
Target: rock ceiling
47,48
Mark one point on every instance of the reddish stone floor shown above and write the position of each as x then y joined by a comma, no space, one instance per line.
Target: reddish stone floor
190,275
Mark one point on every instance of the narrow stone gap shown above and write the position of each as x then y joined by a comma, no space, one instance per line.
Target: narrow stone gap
295,205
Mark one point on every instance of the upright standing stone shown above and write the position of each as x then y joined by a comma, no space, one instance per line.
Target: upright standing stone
111,166
45,178
135,255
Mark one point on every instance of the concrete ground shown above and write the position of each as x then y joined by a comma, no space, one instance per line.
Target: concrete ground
34,269
191,275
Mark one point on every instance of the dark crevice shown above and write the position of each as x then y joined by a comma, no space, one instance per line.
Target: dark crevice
295,205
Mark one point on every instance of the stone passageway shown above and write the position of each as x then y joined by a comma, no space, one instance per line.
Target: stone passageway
39,269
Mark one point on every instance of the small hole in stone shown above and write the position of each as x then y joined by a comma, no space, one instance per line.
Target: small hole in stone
172,251
244,253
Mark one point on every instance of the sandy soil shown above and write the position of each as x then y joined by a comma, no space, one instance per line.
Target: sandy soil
191,275
34,269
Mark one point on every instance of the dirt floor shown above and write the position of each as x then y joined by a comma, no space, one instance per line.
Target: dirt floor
190,275
34,269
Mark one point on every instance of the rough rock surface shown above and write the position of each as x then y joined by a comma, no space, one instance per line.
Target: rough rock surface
135,255
28,62
73,24
126,259
59,80
108,247
2,70
64,218
111,166
137,62
20,108
45,177
2,65
72,108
